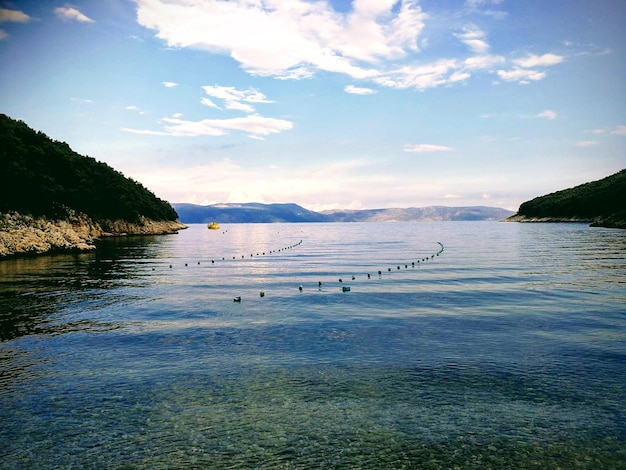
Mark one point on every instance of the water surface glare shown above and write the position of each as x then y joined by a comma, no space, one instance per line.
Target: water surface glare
478,345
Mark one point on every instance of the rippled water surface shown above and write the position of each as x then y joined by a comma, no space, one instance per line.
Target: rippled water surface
479,345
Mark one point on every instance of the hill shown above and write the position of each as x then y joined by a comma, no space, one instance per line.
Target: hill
601,203
420,214
52,198
265,213
246,213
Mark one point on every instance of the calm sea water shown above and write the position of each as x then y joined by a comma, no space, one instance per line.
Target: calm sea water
479,345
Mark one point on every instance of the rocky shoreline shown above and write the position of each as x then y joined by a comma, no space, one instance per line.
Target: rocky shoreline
26,235
607,222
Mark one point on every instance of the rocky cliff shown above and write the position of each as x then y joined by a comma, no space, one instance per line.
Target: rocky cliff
27,235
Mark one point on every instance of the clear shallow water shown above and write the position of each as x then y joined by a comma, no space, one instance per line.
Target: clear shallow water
507,350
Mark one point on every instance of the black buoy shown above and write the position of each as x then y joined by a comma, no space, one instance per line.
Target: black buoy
368,275
237,299
262,294
300,288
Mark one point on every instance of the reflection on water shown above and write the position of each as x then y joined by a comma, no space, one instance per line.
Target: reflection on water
507,351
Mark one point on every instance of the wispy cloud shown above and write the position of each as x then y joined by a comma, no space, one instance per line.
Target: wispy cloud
359,90
254,125
474,38
520,75
13,16
483,62
587,143
68,13
619,130
233,98
419,76
135,109
425,148
547,114
82,100
170,84
539,60
524,69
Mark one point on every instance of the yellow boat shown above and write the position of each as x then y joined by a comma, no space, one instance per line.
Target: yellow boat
213,226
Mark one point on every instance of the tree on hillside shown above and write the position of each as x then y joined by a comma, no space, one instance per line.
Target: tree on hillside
44,177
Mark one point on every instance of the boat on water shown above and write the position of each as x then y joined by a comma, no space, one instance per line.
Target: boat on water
213,226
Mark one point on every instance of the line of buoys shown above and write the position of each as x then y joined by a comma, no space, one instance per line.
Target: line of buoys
344,288
263,253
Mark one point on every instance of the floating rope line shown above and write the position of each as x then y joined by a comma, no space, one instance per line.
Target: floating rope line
260,253
344,288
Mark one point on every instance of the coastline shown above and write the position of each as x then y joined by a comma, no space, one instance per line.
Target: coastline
27,235
606,222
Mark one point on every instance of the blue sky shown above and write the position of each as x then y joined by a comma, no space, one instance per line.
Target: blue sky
329,104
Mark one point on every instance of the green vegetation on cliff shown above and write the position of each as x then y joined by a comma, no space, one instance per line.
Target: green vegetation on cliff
601,202
44,177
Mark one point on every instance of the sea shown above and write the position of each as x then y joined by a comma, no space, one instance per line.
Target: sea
403,345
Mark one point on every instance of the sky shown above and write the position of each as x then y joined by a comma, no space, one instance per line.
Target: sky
330,104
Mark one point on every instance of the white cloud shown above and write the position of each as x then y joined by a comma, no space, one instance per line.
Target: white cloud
587,143
419,76
483,61
547,114
13,16
458,76
290,39
474,38
423,148
358,91
522,71
82,100
207,102
68,13
375,40
253,124
539,61
170,84
233,98
135,109
520,75
619,130
477,3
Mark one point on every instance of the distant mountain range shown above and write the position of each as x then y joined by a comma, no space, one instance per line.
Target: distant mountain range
268,213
